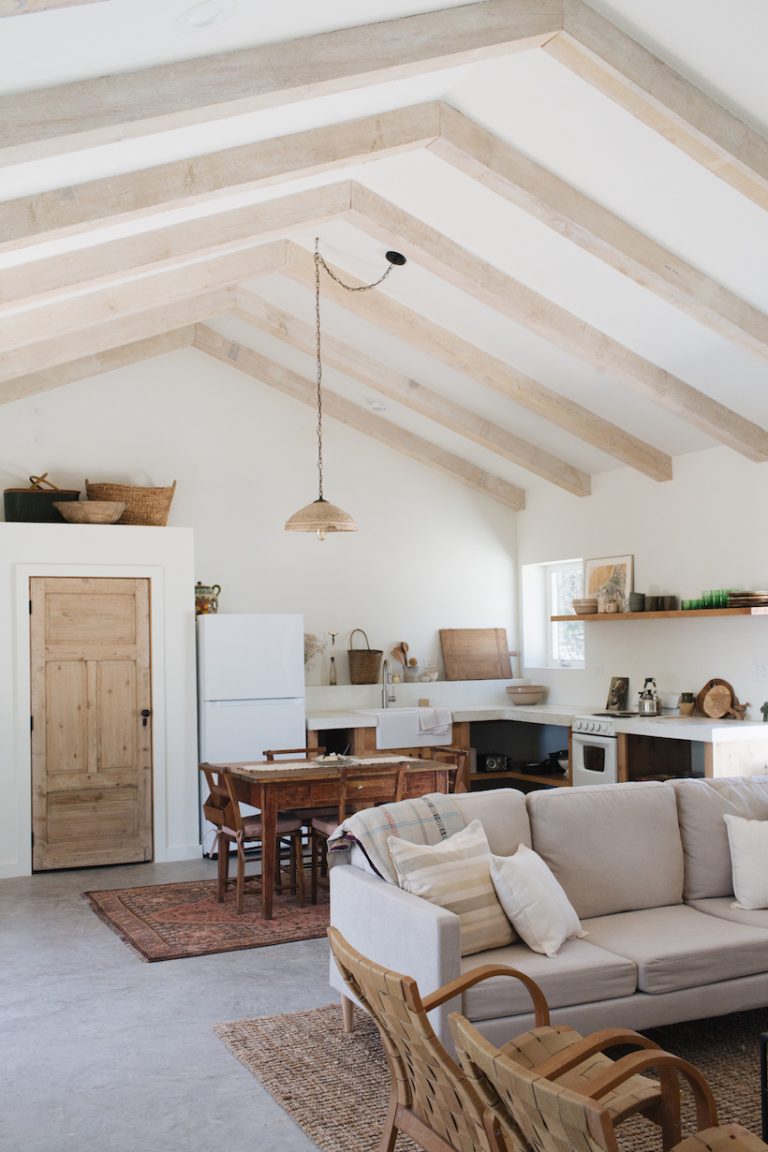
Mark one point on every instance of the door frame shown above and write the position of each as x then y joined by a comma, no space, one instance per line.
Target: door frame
172,636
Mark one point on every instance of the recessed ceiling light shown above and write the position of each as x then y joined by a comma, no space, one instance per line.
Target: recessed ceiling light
206,14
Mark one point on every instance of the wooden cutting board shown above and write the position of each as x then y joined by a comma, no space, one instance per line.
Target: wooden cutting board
475,653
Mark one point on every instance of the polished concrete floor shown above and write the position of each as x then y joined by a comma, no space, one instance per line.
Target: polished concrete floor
100,1050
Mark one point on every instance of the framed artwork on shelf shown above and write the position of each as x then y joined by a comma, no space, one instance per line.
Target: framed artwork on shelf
618,694
609,578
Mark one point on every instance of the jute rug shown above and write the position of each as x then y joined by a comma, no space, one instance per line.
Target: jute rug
336,1086
173,921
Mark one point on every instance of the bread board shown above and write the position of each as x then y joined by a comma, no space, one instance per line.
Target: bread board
475,653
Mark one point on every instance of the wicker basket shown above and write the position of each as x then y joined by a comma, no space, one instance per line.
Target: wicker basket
364,663
142,505
38,502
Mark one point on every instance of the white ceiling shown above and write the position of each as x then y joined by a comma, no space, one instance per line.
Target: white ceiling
527,99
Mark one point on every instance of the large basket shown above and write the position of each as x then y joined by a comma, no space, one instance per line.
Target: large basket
364,663
142,505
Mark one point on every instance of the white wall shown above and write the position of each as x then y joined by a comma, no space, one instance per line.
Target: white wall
429,553
704,529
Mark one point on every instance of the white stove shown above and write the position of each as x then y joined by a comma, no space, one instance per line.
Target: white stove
598,723
594,748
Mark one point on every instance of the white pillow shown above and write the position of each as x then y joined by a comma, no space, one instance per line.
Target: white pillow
456,874
748,841
534,901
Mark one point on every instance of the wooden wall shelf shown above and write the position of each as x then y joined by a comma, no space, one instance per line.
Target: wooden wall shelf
599,617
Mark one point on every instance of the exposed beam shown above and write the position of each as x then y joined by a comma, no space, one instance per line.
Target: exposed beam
653,92
182,282
506,171
166,247
371,374
95,364
338,407
486,369
86,342
110,108
497,290
80,207
25,7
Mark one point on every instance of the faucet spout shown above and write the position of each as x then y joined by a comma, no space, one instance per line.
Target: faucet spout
387,691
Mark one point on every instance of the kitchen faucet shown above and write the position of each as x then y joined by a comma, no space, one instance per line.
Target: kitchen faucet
387,691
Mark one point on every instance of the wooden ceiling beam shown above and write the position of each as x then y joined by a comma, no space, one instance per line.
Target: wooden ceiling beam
88,342
96,364
113,108
339,408
132,195
28,7
485,369
497,165
404,390
653,92
182,282
164,248
494,288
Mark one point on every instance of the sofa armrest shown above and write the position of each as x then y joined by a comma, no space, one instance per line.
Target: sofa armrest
398,930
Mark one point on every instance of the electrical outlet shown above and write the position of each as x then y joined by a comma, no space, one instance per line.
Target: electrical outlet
760,670
431,663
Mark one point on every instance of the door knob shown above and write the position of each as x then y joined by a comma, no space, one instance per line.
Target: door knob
145,715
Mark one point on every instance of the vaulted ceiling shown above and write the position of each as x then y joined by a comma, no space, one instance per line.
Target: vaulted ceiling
580,191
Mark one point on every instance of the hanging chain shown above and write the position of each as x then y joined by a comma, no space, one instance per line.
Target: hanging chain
319,261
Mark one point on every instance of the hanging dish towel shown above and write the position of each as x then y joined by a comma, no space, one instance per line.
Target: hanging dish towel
436,721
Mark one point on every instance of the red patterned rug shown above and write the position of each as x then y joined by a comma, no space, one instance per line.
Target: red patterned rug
173,921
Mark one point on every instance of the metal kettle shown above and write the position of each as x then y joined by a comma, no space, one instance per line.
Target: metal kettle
649,703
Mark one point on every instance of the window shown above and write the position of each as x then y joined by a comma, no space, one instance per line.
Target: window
547,590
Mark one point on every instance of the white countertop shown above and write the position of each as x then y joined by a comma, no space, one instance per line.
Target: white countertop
671,726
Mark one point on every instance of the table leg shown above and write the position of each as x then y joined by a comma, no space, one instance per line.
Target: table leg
764,1083
268,850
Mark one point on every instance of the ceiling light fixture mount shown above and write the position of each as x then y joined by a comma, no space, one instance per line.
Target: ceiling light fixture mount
321,516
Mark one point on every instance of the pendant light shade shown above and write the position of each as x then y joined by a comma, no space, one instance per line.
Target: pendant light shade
321,516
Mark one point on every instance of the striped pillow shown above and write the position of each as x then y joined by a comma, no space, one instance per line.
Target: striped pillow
456,875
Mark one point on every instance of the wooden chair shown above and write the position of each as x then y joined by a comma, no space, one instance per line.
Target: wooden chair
222,808
555,1107
448,754
359,787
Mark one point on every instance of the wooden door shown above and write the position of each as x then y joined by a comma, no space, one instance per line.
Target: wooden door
91,745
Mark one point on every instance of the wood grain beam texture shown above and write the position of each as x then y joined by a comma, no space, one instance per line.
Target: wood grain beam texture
111,108
28,7
481,366
339,408
605,57
490,286
499,166
419,398
131,195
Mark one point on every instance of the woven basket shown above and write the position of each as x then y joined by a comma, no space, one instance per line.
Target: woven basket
364,663
142,505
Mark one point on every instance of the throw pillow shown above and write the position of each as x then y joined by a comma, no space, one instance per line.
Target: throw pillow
748,841
534,901
456,875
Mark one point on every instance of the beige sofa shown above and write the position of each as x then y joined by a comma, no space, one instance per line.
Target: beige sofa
646,866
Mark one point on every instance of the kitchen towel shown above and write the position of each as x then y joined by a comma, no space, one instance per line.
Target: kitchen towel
437,721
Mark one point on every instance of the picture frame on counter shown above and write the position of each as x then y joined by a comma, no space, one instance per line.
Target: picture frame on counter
618,694
610,580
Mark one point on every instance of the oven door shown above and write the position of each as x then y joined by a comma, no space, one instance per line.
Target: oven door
594,759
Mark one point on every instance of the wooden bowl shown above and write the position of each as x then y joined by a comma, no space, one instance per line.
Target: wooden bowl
90,511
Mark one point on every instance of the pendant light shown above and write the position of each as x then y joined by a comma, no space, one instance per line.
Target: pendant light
321,516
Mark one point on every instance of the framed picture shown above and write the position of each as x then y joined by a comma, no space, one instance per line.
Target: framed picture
610,576
618,694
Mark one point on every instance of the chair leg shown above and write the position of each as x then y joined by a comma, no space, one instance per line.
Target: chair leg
222,848
278,868
347,1008
240,877
297,859
315,865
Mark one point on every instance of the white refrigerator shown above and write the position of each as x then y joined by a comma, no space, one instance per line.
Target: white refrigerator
250,677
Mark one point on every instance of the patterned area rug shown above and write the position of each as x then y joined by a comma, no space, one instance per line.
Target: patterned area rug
173,921
336,1087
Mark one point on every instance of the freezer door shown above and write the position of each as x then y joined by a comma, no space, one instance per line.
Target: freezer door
245,656
232,730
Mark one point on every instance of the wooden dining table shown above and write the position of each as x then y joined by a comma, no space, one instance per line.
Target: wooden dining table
289,785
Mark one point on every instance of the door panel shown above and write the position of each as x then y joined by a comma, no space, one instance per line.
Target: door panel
91,753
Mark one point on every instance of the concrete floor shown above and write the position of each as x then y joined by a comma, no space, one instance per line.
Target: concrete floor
100,1050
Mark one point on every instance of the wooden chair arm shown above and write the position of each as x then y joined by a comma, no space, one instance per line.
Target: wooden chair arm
486,972
706,1109
575,1053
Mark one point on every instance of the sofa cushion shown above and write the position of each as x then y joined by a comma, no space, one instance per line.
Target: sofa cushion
677,947
725,909
748,842
614,848
701,805
579,974
503,815
456,875
534,902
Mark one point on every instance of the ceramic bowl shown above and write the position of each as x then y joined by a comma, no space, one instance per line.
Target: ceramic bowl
527,693
584,606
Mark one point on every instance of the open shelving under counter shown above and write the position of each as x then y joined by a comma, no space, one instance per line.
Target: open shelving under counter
595,617
552,781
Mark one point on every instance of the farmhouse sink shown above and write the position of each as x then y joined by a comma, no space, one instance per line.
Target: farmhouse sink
400,728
